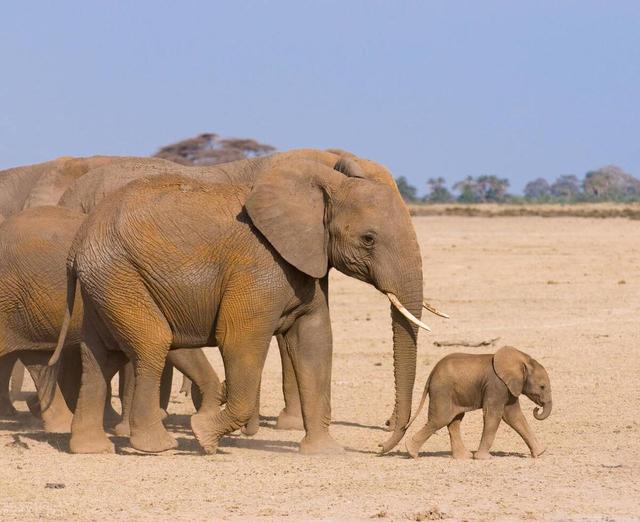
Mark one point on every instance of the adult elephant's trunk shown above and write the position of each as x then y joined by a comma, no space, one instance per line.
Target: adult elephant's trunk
405,335
546,411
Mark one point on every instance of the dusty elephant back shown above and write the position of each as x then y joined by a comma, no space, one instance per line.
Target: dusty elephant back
52,184
43,183
87,192
84,194
33,248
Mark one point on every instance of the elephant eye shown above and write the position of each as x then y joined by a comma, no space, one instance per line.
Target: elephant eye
368,239
542,386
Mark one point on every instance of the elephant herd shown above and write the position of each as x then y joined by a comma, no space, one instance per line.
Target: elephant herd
126,264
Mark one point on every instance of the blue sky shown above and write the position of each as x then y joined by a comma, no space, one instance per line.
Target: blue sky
447,88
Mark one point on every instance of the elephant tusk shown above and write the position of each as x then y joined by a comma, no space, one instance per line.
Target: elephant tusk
434,310
396,302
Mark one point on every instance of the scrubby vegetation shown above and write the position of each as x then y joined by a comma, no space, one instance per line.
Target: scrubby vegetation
609,183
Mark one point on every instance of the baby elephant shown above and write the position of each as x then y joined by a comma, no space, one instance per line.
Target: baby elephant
463,382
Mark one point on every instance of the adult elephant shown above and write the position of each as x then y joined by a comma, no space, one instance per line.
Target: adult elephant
33,250
87,192
174,262
43,183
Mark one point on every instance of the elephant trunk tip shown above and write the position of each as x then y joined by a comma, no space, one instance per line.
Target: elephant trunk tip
392,441
546,411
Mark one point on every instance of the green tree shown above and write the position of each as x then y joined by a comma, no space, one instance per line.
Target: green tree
566,188
486,188
438,192
407,191
537,189
611,183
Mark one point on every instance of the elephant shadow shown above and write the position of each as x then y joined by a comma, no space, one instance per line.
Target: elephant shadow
190,446
358,425
21,420
516,454
58,441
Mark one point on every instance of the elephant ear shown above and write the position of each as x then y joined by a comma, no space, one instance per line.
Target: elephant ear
287,205
355,167
510,366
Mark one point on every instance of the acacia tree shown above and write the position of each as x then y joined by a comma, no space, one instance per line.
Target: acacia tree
484,189
210,149
566,188
407,191
611,183
537,189
438,192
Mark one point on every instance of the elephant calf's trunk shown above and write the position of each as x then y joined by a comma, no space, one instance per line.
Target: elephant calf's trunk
546,411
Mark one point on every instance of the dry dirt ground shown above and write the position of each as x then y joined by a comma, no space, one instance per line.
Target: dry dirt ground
565,290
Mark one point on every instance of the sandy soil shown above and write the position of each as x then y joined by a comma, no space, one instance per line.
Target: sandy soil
566,290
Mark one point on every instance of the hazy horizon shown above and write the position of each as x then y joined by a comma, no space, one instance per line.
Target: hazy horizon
520,90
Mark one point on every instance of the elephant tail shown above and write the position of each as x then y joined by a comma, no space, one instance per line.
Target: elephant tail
71,297
421,405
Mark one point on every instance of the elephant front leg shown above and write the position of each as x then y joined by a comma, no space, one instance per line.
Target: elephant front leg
197,370
310,344
243,355
514,417
492,416
290,418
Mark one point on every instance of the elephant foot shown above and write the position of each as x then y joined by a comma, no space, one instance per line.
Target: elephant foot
6,408
152,439
537,452
320,445
202,429
412,447
94,442
286,421
482,455
462,454
122,429
251,427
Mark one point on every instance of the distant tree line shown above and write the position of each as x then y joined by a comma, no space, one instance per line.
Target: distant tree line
608,183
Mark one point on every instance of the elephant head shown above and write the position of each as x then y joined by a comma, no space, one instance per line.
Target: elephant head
352,218
523,374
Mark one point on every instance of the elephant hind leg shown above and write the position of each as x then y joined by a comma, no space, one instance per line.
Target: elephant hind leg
147,431
440,415
87,428
458,449
56,415
290,418
7,363
126,383
17,380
